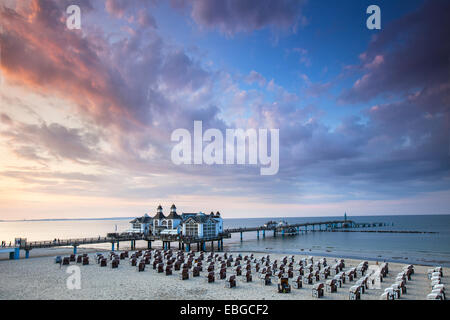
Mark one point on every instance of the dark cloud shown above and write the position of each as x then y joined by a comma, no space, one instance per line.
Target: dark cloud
409,54
233,16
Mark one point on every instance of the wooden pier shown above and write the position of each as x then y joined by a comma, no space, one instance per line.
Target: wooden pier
305,227
186,242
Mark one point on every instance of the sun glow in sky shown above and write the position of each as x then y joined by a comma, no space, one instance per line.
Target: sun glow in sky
86,115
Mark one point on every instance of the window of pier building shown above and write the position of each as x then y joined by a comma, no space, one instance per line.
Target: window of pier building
209,229
192,229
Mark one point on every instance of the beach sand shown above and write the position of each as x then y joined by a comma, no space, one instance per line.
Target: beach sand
41,278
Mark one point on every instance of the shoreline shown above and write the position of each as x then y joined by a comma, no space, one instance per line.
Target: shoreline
51,252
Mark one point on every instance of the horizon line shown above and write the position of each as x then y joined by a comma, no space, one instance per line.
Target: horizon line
268,217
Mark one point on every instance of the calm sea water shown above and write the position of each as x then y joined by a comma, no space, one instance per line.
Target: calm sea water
414,248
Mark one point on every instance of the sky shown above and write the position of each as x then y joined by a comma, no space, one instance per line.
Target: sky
86,115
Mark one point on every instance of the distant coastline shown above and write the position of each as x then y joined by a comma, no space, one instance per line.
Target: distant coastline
68,219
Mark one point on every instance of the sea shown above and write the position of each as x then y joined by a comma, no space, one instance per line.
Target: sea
414,248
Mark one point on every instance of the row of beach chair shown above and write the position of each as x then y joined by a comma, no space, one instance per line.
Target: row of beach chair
398,288
437,287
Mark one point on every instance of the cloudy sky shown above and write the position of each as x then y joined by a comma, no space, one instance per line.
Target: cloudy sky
86,115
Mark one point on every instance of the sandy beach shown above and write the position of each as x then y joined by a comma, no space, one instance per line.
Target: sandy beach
41,278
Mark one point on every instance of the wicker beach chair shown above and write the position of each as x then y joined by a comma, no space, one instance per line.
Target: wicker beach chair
297,282
434,281
402,287
308,278
439,286
85,261
323,274
168,270
115,263
300,271
341,264
103,262
210,277
199,266
355,293
362,286
386,296
348,276
196,272
317,290
334,270
434,296
409,270
58,259
99,258
141,266
230,282
184,275
72,258
331,286
430,272
338,279
247,276
290,273
439,291
223,273
397,290
316,275
66,261
266,280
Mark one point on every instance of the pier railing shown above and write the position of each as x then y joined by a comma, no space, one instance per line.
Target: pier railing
76,242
